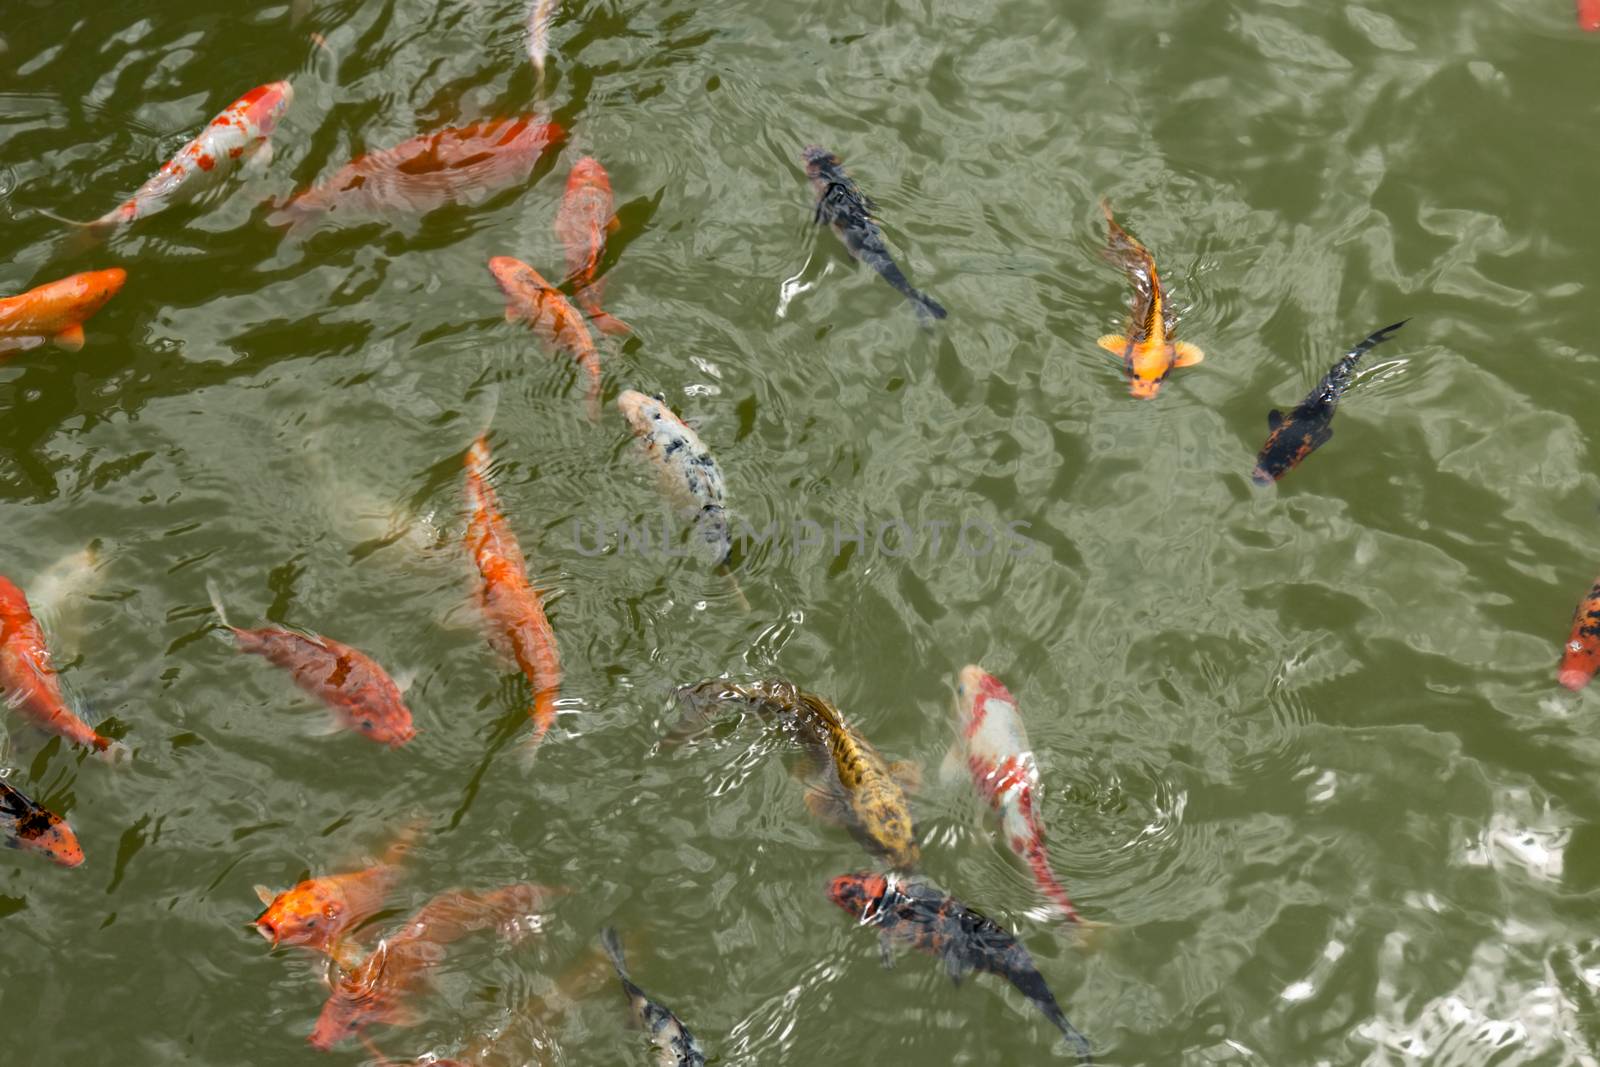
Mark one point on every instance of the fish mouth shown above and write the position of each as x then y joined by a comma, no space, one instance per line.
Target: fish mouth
814,155
266,930
1574,679
1143,389
1262,476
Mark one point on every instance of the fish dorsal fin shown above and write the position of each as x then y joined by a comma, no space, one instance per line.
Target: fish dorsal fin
1274,419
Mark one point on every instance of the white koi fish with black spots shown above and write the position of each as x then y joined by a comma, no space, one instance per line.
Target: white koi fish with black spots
688,470
675,1045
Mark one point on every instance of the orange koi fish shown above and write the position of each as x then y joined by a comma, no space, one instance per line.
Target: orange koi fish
1148,352
362,695
375,992
582,224
531,299
317,912
28,682
56,311
518,626
34,828
427,172
1580,658
1589,15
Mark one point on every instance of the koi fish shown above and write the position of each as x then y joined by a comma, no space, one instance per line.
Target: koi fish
992,744
317,912
689,472
241,132
56,311
33,828
531,299
375,992
842,205
1589,15
426,172
582,224
921,916
541,13
1308,427
518,626
360,693
862,791
1148,352
675,1045
28,681
1581,656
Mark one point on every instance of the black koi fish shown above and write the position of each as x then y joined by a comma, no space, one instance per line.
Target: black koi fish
1308,427
842,205
921,916
675,1045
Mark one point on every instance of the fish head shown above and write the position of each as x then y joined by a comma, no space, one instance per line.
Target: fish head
264,107
86,293
859,894
394,728
48,834
641,411
309,914
975,687
365,995
818,159
524,287
1580,658
587,172
1148,366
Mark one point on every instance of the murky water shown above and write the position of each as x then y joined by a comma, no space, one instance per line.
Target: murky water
1303,747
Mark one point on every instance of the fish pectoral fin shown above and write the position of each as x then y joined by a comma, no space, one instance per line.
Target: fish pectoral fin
955,967
259,161
1114,343
267,896
1274,419
613,224
886,951
907,774
512,313
951,767
71,338
1186,354
827,806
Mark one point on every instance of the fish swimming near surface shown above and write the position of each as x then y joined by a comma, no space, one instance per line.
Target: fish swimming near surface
360,693
318,912
688,470
992,745
1148,352
512,607
56,311
842,205
34,828
532,300
1308,427
457,165
675,1045
921,916
584,219
1589,15
377,990
241,133
541,13
1580,657
859,790
28,682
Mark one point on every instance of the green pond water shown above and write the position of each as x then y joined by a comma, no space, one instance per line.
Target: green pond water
1302,747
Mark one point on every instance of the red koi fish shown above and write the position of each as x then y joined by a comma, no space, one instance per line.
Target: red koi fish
56,311
531,299
318,912
1589,15
427,172
582,224
1148,352
1581,656
518,626
28,682
241,132
33,828
362,695
991,743
376,991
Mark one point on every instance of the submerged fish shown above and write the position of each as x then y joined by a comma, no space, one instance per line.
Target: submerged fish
1308,427
426,172
241,132
56,311
518,626
582,223
318,912
1148,352
992,745
361,694
1589,15
688,471
842,205
376,991
28,681
531,299
33,828
675,1045
921,916
861,791
1580,658
541,13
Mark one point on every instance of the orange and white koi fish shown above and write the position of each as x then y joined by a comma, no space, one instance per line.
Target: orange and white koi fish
1580,656
993,746
318,912
241,132
531,299
582,224
28,681
362,695
56,311
1148,352
518,626
34,828
376,991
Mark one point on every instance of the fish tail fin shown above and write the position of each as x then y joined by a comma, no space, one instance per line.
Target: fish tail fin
928,309
543,714
609,324
612,943
487,413
738,591
1375,340
216,602
93,225
591,398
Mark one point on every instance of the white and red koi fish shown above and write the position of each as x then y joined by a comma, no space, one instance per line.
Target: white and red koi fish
240,133
992,744
582,224
56,311
28,681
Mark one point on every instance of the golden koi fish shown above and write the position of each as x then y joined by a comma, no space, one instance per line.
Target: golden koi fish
1148,353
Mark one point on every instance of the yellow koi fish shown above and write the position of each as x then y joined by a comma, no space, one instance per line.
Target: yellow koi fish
1148,352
